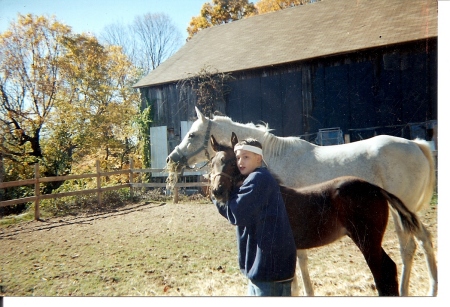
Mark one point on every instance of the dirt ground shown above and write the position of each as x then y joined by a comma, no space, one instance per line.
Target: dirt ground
159,249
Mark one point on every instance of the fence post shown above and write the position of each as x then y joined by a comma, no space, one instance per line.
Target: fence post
2,177
99,184
175,194
131,178
37,192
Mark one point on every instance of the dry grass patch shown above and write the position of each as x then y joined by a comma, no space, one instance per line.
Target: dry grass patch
163,249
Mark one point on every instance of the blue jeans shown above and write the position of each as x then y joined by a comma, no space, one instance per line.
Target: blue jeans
267,288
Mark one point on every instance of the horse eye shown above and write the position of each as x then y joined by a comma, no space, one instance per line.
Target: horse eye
191,135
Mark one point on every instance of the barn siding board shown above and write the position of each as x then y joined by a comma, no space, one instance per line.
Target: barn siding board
432,73
318,101
389,96
361,99
244,100
271,104
234,106
359,92
236,98
306,97
336,97
252,108
414,100
291,94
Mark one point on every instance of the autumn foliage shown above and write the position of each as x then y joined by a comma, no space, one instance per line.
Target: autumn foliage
65,100
219,12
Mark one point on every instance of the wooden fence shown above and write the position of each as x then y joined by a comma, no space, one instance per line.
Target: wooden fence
37,180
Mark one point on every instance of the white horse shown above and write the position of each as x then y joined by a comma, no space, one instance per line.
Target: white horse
402,167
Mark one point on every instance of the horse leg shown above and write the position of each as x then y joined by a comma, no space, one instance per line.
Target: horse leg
302,259
407,250
424,237
295,291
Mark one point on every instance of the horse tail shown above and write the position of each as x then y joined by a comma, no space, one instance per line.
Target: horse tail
410,221
424,201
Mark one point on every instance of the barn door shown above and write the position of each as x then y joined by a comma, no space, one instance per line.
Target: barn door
158,144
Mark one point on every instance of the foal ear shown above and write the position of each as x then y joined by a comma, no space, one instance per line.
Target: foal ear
234,139
214,143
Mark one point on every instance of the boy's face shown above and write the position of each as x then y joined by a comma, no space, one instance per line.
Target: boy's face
247,161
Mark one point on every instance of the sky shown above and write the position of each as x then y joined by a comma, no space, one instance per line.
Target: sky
93,15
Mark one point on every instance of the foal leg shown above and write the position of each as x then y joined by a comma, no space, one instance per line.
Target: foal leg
383,268
302,258
388,284
367,232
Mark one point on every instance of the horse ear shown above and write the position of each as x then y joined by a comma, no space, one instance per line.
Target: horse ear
234,139
200,115
214,143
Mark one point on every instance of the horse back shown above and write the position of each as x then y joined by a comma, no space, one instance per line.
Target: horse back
398,165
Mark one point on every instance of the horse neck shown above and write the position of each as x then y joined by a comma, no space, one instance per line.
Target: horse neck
222,131
273,146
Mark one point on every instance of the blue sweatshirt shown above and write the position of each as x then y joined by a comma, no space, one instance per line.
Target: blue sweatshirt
266,246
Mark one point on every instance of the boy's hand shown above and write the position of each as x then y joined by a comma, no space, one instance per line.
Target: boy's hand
240,181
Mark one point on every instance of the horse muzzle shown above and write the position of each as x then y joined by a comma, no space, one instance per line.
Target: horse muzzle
220,193
177,156
221,185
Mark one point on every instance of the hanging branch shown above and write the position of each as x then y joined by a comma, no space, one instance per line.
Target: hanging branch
210,87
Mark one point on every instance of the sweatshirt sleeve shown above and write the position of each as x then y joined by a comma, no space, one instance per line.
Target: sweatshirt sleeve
221,207
245,203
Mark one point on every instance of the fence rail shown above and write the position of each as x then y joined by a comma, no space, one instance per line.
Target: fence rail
99,190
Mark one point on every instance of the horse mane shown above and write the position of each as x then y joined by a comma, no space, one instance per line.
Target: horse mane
272,145
227,120
276,146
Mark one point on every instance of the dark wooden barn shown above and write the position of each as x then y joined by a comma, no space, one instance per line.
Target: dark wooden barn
359,67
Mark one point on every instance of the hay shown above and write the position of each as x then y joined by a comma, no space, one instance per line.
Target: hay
172,178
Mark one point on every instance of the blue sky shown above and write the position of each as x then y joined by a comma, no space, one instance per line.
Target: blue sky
93,15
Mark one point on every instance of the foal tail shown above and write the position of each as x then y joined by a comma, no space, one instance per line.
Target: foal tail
410,221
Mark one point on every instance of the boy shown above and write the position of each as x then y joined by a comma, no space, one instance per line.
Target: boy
266,248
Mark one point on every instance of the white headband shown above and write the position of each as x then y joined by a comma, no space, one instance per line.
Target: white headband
251,148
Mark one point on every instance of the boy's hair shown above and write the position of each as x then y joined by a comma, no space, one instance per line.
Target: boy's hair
250,141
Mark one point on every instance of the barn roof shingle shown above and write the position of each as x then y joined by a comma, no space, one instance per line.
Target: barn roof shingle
320,29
